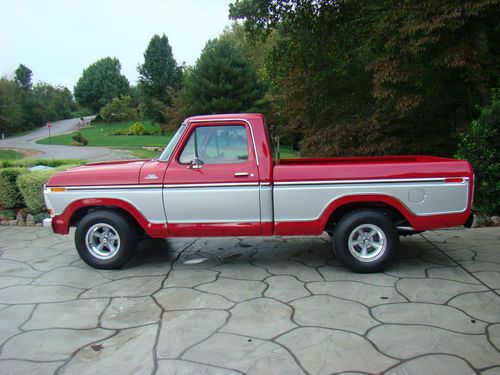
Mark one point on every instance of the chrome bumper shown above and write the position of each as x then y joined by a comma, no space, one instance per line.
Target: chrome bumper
47,224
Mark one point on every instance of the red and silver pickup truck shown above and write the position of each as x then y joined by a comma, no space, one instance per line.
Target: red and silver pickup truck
217,177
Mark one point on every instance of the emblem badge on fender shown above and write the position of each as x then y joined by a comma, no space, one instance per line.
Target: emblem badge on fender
151,177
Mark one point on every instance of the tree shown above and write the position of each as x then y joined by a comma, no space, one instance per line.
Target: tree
100,83
120,109
376,76
23,76
479,145
222,81
52,103
159,76
11,111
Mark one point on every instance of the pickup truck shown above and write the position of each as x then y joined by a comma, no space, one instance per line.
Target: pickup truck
217,177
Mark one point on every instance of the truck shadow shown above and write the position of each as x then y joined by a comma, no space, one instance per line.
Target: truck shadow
152,251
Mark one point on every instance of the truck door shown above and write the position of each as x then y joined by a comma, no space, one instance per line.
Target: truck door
211,187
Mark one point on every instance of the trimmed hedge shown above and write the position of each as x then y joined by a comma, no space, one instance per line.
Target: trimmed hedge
10,197
26,163
31,187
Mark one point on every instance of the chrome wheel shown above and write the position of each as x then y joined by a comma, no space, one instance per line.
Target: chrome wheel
367,243
102,241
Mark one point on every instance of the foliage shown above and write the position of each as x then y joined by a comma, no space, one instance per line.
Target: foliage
38,218
80,111
10,197
100,83
120,109
11,110
7,214
52,103
26,163
134,129
222,81
30,186
159,76
480,145
404,74
79,139
10,155
25,106
23,76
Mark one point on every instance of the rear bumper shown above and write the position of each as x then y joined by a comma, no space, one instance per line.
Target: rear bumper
47,224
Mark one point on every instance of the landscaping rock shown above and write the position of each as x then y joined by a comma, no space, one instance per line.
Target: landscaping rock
495,220
20,216
30,217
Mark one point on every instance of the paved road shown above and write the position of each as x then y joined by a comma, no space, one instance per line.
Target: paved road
250,305
28,142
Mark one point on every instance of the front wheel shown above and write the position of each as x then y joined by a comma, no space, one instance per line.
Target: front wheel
365,240
105,239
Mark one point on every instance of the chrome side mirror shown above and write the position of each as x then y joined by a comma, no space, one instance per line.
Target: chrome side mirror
196,163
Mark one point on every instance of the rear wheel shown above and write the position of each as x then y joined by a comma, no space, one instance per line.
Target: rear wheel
105,239
365,240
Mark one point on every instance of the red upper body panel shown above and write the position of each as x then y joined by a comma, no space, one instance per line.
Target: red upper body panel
370,168
95,174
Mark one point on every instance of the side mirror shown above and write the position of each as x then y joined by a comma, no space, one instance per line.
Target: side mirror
196,164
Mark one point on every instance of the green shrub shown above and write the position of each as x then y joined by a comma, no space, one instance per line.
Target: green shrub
80,139
31,187
481,146
10,197
134,129
137,129
26,163
7,214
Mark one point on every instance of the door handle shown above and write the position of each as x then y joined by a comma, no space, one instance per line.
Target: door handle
241,174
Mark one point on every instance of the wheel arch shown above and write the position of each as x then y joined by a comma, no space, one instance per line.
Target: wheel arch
76,210
392,207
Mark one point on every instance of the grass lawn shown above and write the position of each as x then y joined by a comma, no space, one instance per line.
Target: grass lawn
286,152
99,135
10,155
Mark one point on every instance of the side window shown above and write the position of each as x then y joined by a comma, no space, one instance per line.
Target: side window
216,145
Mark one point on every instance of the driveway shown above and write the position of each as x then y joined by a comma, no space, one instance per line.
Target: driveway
250,305
28,142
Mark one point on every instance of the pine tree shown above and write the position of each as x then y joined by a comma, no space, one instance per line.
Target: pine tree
159,76
222,81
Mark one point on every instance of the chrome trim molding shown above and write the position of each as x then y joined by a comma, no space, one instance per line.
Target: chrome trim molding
223,184
112,187
406,229
377,181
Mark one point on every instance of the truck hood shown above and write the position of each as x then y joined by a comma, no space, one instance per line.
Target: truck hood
102,173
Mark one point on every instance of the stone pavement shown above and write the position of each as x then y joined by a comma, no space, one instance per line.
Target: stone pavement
251,305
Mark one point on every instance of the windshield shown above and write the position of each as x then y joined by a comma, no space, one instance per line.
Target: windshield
165,155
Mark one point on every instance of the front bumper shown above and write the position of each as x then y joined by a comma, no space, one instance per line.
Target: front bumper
47,224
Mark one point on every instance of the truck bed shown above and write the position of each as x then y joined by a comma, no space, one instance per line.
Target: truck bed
369,168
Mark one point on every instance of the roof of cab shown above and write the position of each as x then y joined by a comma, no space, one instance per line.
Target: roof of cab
228,116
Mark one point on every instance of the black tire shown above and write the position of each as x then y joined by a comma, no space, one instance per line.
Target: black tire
112,232
365,241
